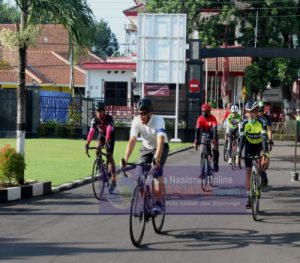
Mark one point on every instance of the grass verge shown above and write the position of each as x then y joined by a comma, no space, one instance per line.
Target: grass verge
64,160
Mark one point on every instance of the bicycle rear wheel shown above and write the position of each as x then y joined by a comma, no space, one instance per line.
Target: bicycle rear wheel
255,195
98,180
137,220
225,151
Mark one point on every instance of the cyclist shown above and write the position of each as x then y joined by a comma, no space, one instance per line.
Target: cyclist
155,147
225,116
233,121
253,135
207,124
268,119
104,124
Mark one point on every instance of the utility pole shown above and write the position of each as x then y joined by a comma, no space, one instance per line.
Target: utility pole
256,29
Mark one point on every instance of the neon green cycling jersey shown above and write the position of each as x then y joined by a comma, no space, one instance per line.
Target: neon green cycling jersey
232,121
253,131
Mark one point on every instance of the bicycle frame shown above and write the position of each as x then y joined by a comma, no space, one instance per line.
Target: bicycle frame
145,181
207,171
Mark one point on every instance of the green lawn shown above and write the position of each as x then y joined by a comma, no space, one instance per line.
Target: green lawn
64,160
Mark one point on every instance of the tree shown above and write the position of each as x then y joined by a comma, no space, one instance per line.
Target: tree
8,14
211,29
105,43
74,15
278,22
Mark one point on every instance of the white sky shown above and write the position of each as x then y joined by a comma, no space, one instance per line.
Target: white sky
110,11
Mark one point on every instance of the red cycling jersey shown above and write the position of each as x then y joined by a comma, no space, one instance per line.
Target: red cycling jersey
206,123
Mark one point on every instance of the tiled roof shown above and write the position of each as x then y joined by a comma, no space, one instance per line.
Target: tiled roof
46,67
133,11
47,62
236,64
52,68
89,57
7,75
52,37
11,76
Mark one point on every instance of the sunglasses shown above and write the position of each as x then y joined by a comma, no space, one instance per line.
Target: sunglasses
143,113
253,112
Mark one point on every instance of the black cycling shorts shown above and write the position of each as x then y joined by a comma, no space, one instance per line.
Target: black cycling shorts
147,155
111,145
251,149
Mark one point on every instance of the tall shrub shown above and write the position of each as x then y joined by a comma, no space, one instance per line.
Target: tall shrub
12,166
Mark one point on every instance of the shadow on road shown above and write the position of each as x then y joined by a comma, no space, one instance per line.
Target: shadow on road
223,239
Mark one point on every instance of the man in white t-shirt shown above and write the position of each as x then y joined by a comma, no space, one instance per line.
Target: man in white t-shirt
155,146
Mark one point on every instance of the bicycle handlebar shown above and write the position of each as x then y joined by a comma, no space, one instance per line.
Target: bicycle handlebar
93,148
123,166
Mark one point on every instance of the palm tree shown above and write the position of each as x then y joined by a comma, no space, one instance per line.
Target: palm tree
74,15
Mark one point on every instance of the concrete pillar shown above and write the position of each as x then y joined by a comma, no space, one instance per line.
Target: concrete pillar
129,91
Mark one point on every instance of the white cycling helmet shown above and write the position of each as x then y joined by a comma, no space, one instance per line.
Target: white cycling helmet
234,109
251,105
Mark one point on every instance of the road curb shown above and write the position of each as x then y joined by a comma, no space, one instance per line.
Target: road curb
44,188
25,191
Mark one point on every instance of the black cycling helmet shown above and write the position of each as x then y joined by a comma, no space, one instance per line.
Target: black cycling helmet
100,106
251,105
145,104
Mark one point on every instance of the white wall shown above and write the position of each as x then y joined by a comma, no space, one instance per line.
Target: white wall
95,79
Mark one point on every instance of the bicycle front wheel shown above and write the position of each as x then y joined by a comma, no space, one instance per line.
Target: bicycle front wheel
211,173
233,161
98,180
204,173
255,195
137,220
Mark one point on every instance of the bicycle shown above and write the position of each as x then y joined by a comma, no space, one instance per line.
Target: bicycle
234,153
255,186
142,202
207,170
101,177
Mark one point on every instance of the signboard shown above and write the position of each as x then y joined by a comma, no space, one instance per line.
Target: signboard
161,41
156,89
273,95
194,86
244,93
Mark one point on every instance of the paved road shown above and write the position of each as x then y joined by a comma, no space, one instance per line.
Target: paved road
67,227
